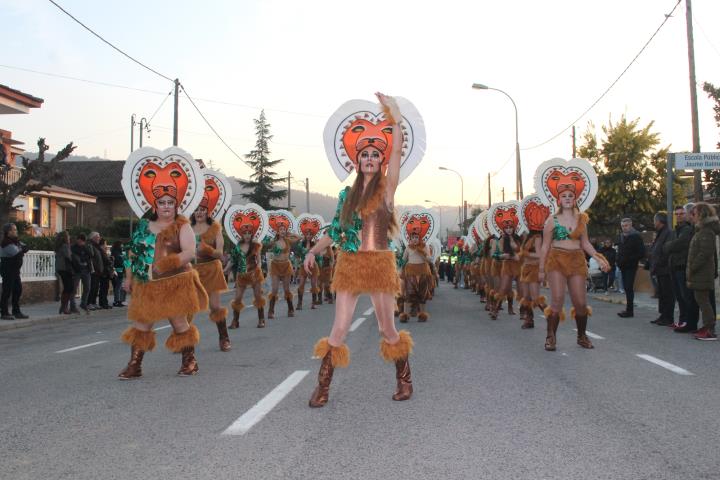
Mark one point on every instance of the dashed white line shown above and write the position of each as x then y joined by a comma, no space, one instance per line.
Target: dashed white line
82,346
592,335
243,424
162,328
356,324
664,364
369,311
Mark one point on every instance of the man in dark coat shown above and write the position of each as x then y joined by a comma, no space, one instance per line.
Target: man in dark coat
630,251
660,268
677,250
98,269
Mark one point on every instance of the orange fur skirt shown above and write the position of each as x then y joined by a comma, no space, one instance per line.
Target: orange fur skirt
176,296
485,267
418,282
281,268
568,262
212,276
249,279
510,268
495,268
326,274
366,272
529,273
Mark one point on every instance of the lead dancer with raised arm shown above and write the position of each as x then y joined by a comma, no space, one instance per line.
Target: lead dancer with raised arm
364,216
569,188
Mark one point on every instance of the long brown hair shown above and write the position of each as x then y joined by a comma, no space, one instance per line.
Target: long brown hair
366,200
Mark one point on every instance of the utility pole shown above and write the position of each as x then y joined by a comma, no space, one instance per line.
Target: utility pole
307,194
693,99
489,193
503,194
289,177
143,121
175,115
132,132
574,155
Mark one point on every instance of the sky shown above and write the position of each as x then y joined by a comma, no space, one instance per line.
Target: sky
301,60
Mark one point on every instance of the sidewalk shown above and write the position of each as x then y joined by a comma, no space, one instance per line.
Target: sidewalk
47,312
642,299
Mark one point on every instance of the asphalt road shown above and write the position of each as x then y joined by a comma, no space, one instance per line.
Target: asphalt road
489,402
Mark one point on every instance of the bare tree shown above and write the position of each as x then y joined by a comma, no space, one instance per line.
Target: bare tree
35,176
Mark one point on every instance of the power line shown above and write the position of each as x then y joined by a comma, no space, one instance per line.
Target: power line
667,17
213,128
108,43
702,30
161,105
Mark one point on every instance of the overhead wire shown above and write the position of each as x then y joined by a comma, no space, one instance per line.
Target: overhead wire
110,44
161,105
667,17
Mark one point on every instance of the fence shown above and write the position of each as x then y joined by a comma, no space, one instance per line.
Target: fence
38,266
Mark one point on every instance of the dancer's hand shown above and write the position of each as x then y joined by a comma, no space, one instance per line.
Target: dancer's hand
309,263
390,106
127,285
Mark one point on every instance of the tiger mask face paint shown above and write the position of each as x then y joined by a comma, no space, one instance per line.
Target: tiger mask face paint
156,181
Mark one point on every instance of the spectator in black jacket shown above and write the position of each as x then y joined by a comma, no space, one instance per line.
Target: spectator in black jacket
106,277
609,253
630,251
677,250
82,268
117,255
12,251
660,268
98,269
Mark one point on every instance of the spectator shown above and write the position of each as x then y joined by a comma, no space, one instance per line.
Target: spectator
63,269
607,250
702,265
12,251
108,273
660,269
118,258
82,269
97,270
630,251
677,249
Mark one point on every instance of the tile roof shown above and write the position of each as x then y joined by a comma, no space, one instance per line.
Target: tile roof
100,178
32,98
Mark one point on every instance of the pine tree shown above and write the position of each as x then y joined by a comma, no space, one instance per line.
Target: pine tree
262,181
713,176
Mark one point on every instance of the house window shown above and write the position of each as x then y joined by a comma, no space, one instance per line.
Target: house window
45,213
34,210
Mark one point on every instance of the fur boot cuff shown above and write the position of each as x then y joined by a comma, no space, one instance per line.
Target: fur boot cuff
548,311
397,351
145,341
218,315
260,303
237,307
339,356
177,341
588,310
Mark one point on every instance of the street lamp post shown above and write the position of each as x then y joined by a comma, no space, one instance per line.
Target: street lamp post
462,199
518,172
440,210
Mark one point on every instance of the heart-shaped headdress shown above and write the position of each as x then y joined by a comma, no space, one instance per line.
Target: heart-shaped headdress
420,222
246,218
276,218
501,214
218,193
557,175
149,174
533,213
311,223
358,124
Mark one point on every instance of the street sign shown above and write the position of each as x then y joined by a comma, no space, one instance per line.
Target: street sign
697,161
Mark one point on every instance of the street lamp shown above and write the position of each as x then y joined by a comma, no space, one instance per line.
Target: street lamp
440,210
518,173
462,199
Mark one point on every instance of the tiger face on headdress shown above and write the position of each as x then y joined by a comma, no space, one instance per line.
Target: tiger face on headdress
156,181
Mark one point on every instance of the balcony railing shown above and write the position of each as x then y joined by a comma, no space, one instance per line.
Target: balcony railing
10,175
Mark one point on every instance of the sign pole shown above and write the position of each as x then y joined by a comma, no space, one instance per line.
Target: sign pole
669,186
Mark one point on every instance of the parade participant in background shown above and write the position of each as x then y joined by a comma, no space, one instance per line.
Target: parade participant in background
310,227
356,138
161,187
533,214
503,221
568,187
418,230
246,225
326,261
400,264
210,244
283,237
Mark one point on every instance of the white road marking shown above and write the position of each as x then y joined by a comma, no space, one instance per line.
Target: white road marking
82,346
243,424
162,328
664,364
592,335
369,311
356,324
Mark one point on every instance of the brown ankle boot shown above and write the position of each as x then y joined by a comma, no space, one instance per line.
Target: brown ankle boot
189,364
529,319
582,338
235,320
404,382
553,320
134,366
224,336
291,308
511,311
331,357
261,317
300,300
328,296
271,308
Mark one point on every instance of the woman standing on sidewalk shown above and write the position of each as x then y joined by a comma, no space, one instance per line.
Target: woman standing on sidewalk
63,269
12,251
702,265
370,145
569,188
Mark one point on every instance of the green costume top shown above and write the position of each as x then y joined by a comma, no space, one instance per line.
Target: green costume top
140,251
238,259
346,236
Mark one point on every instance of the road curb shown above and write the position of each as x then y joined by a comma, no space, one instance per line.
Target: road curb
43,320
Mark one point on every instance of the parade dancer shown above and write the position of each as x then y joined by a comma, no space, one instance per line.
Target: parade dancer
400,265
245,225
326,261
504,221
310,226
210,245
417,274
533,213
371,144
281,270
160,187
568,188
